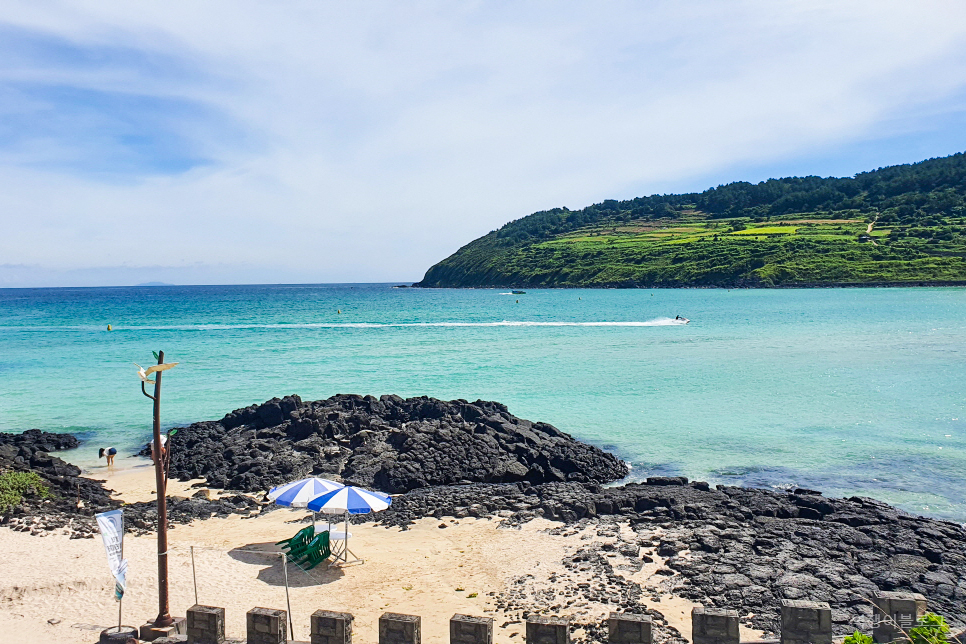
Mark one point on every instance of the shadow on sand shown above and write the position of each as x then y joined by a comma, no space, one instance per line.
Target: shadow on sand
267,554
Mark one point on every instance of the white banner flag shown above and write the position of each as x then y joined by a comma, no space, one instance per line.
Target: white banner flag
111,525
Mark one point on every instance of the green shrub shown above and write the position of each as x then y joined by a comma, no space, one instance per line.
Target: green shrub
857,638
13,486
930,629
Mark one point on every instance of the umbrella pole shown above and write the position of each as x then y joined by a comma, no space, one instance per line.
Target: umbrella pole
345,540
340,553
347,552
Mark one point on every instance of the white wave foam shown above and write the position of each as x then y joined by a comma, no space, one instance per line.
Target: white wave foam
357,325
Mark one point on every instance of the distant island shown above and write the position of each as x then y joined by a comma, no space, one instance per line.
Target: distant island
898,225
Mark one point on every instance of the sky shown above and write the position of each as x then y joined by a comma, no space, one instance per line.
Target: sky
310,142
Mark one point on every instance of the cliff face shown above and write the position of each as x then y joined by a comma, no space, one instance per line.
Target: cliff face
897,225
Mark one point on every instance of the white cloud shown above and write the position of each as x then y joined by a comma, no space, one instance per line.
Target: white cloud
335,142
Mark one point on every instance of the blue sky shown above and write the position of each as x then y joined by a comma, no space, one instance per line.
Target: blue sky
240,142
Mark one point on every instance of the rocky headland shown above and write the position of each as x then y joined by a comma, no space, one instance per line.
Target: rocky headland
716,545
388,443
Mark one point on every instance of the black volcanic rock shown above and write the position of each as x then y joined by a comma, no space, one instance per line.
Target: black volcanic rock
73,500
745,548
389,444
38,440
29,452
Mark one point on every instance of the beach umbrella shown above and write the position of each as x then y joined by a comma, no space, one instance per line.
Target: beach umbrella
349,500
297,494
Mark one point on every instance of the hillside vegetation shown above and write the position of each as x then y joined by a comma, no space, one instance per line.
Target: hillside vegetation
895,225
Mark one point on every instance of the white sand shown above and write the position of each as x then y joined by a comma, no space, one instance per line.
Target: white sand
415,571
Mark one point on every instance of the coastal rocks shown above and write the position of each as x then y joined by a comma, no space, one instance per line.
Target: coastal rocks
594,577
40,441
70,501
737,548
73,500
390,443
142,518
742,548
69,491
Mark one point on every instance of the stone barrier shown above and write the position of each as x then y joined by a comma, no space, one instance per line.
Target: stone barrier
548,630
266,626
331,628
714,626
467,629
894,612
802,622
629,628
396,628
206,625
805,622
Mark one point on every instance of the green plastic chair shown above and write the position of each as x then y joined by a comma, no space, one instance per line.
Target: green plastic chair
299,548
300,540
317,552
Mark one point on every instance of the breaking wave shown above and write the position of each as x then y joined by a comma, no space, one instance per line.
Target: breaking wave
363,325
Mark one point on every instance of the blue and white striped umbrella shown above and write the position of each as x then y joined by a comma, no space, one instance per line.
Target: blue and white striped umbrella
297,494
351,499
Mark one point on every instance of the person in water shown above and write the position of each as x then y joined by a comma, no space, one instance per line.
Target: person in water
110,453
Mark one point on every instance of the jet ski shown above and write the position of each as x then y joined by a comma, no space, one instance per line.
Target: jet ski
680,320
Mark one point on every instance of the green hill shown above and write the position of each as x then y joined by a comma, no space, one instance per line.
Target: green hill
902,224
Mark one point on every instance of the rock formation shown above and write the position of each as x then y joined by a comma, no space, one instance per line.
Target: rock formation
389,444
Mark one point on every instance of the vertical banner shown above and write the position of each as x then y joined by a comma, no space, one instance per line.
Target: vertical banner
111,525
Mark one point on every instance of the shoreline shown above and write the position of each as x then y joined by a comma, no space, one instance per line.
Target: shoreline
433,568
630,547
810,285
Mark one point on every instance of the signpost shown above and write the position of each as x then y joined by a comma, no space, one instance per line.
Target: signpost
162,625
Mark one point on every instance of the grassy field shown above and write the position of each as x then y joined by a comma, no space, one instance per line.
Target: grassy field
803,248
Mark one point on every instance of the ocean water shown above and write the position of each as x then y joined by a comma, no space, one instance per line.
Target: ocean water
849,391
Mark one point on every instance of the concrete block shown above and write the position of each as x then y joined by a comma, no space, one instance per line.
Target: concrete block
894,612
805,622
267,626
548,630
331,628
206,625
714,626
396,628
467,629
628,628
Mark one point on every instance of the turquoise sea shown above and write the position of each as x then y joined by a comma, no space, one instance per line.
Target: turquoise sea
849,391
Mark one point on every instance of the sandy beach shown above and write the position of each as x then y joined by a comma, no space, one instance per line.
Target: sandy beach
61,590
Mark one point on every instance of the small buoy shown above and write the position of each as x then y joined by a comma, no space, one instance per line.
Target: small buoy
108,327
